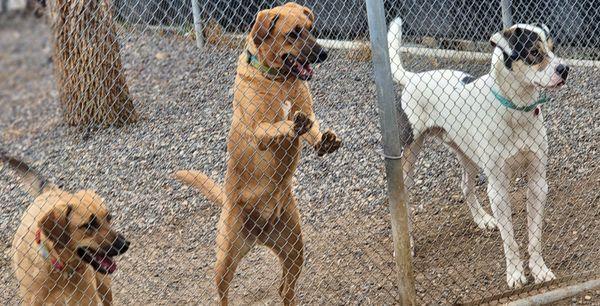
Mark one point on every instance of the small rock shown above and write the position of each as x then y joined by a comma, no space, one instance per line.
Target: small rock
161,56
587,297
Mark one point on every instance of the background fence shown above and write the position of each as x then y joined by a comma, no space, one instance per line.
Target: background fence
183,95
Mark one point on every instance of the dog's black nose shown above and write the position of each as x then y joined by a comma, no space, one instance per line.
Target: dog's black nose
322,56
119,246
563,71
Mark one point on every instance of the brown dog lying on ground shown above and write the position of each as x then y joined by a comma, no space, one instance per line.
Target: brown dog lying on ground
272,114
64,247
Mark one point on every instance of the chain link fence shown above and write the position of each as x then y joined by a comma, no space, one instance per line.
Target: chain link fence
107,107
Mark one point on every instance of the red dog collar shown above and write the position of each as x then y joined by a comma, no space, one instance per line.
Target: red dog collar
45,253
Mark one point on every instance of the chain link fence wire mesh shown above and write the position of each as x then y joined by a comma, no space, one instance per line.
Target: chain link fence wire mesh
194,115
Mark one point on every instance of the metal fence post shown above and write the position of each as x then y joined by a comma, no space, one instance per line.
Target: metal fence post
197,24
507,19
392,147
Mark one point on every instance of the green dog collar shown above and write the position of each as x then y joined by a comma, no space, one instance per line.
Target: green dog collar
506,102
254,62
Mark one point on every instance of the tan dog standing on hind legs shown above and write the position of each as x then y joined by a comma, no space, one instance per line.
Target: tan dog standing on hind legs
494,123
272,116
64,247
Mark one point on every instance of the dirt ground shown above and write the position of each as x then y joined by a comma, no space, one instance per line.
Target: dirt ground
184,96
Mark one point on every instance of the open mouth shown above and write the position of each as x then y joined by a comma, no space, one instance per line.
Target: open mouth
301,70
551,86
98,260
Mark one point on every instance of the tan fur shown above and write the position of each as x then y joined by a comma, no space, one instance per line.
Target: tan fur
60,216
264,149
212,190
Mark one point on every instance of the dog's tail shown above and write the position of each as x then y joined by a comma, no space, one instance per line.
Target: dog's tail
394,43
30,179
209,188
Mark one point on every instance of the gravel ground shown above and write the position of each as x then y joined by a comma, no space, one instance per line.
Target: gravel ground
184,96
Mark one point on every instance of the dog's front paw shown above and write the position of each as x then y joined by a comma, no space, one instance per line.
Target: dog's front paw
541,273
329,143
515,277
302,124
486,222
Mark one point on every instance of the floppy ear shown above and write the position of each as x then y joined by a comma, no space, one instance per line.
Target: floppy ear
305,10
54,225
263,26
542,26
310,14
501,40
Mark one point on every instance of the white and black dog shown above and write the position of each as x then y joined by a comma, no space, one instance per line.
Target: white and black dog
494,123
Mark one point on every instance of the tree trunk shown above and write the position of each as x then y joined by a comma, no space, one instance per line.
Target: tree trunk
87,64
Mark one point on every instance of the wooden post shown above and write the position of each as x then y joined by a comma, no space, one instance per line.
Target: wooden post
395,132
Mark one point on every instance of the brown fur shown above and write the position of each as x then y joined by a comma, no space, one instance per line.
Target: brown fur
264,144
60,217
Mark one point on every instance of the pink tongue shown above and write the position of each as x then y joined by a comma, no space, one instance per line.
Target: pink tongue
106,263
304,71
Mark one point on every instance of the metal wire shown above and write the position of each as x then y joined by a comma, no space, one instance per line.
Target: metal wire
107,100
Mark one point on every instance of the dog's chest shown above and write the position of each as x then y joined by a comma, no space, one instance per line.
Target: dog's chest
524,130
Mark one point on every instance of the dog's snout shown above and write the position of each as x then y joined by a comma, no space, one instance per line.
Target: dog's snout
562,71
119,246
322,56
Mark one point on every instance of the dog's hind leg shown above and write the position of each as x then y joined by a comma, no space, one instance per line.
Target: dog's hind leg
285,240
500,202
233,243
469,176
537,189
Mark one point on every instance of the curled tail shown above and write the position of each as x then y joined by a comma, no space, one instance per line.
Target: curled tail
30,179
394,44
209,188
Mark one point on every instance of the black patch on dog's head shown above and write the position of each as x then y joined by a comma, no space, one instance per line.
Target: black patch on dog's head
525,45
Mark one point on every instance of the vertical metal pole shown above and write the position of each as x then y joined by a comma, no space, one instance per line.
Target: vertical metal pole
507,18
197,23
392,147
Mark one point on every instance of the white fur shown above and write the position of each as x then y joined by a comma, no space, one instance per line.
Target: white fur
485,134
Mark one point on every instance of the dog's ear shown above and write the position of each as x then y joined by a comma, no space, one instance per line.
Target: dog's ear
544,28
304,9
309,14
264,24
501,40
54,225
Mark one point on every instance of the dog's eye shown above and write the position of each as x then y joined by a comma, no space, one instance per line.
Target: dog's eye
294,34
108,218
91,225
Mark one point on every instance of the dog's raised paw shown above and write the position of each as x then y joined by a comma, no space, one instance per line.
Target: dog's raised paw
302,123
329,143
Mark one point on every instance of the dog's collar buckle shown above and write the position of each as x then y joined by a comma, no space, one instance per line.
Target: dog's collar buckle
57,265
527,108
